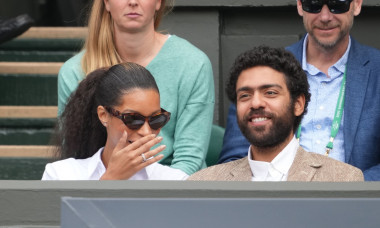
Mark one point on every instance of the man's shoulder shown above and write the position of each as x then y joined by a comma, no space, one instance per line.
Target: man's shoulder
360,51
334,170
219,172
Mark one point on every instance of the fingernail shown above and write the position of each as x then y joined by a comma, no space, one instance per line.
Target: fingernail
124,133
159,138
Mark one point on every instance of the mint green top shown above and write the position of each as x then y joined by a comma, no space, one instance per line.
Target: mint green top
184,77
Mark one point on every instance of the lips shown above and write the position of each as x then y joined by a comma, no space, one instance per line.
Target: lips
133,14
258,119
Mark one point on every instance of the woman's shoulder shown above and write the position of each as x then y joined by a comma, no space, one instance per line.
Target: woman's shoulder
180,46
73,65
67,169
72,169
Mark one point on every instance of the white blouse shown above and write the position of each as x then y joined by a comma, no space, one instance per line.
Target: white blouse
92,168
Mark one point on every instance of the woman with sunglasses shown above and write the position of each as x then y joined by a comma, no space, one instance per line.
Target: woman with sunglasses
126,31
109,127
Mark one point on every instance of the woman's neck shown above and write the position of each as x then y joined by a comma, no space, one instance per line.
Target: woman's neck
139,47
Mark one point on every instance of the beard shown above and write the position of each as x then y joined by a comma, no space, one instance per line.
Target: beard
328,45
264,136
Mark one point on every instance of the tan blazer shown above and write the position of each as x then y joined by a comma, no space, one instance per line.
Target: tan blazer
307,166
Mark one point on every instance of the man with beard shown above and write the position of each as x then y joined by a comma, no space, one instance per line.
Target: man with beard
343,121
271,94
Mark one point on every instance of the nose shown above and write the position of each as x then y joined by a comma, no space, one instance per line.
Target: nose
132,2
325,13
257,102
145,129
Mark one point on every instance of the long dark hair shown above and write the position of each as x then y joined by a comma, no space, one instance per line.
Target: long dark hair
80,133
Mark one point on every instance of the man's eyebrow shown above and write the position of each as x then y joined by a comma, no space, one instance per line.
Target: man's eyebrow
247,88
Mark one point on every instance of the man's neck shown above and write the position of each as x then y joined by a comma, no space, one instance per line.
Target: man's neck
267,154
323,58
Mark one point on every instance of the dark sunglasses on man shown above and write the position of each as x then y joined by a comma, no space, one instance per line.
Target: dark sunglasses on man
335,6
135,121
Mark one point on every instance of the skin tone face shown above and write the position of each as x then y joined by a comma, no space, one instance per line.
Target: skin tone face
132,15
328,30
144,102
265,111
135,37
122,152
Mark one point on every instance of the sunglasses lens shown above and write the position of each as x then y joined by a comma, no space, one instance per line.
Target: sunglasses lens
339,6
312,6
133,122
157,122
335,6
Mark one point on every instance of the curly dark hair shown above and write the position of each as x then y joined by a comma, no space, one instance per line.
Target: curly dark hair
79,133
278,59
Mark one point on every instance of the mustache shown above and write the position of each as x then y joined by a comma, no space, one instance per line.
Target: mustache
258,112
327,25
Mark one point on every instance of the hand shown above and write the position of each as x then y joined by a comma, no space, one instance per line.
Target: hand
126,160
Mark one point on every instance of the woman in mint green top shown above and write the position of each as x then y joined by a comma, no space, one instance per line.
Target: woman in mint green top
183,74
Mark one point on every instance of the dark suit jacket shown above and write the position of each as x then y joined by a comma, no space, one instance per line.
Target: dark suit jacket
306,166
361,125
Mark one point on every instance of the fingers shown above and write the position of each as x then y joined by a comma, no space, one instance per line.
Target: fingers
122,142
144,144
144,140
150,161
153,152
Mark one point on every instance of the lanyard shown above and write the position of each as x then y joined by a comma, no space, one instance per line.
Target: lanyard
337,117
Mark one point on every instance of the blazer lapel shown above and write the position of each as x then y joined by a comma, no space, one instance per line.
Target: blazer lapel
304,166
356,85
241,172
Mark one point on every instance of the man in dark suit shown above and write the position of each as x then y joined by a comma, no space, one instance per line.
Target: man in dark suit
330,56
271,94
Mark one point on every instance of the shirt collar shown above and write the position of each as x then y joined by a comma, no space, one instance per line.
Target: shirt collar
281,163
96,167
340,65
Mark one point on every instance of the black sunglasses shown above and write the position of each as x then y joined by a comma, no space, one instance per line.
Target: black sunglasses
335,6
135,121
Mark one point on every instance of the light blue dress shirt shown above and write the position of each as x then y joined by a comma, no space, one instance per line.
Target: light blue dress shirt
316,124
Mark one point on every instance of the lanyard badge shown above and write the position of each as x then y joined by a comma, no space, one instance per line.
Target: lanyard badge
337,117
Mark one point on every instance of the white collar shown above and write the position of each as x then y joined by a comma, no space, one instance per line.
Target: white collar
278,168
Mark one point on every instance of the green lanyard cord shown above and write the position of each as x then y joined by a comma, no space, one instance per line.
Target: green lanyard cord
337,117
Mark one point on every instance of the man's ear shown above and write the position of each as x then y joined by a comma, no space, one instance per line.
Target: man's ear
299,8
357,7
299,105
103,115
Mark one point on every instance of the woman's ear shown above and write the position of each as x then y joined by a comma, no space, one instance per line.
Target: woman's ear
299,105
106,5
103,115
158,5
